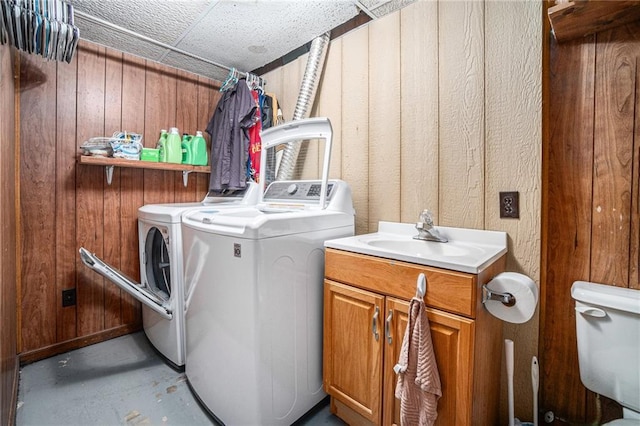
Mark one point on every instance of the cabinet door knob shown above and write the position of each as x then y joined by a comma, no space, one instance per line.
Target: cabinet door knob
387,326
374,324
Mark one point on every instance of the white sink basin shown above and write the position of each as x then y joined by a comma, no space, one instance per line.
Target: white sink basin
423,248
468,250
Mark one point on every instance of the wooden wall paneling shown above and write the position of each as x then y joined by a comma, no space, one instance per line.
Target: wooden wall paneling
65,212
513,136
38,201
570,168
309,157
419,110
8,230
355,122
112,201
132,180
208,96
274,82
328,104
461,97
160,113
292,75
384,120
90,186
613,158
187,122
634,257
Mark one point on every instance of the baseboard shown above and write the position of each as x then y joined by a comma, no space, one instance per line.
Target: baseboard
80,342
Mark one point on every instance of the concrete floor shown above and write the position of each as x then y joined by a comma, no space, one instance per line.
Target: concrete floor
119,382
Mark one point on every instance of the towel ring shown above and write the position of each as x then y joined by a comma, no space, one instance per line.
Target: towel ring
421,286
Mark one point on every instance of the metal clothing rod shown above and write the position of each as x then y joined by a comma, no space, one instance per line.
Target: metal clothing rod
147,39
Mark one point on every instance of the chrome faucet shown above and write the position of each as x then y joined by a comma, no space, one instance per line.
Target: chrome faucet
426,230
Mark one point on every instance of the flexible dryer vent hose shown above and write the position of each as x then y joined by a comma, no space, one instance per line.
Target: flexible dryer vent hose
308,88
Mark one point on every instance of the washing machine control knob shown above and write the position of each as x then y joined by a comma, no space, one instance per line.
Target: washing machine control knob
291,189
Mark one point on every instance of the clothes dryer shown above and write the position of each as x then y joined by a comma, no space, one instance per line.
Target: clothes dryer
161,287
254,281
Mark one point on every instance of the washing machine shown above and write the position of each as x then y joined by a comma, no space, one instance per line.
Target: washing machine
254,279
161,290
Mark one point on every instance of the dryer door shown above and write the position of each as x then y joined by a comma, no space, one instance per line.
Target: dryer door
156,264
153,301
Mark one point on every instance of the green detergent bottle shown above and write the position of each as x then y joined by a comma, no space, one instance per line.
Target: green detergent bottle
173,147
199,150
187,153
162,144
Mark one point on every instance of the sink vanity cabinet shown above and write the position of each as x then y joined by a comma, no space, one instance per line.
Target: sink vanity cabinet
366,303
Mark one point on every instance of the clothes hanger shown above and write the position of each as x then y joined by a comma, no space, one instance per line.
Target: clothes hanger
231,80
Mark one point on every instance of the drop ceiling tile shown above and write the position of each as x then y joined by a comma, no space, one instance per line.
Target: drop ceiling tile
195,66
249,34
245,34
162,20
118,40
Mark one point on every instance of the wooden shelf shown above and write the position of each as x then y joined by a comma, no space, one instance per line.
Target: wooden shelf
579,18
110,163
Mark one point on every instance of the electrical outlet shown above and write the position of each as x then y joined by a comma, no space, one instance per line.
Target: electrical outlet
68,297
509,205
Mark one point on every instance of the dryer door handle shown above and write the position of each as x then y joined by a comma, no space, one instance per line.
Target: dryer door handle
133,288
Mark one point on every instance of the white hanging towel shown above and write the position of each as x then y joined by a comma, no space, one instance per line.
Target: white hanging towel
418,387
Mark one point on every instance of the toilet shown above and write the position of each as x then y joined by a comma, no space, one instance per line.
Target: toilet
608,335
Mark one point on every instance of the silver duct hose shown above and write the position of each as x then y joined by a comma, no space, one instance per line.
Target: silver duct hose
308,88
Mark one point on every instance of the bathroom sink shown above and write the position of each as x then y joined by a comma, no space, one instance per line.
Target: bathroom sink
468,250
422,248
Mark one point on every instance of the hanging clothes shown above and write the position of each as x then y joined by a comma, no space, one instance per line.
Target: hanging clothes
255,141
269,108
266,107
229,130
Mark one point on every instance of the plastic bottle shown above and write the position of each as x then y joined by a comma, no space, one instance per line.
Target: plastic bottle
162,144
173,147
187,153
199,150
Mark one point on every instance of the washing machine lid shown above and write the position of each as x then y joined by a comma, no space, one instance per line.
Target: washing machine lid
283,212
275,168
253,223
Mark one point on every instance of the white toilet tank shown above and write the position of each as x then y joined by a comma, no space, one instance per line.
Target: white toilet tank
608,334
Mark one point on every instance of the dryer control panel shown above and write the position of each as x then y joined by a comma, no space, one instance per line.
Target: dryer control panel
301,190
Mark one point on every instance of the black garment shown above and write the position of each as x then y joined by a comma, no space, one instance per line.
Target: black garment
228,128
267,112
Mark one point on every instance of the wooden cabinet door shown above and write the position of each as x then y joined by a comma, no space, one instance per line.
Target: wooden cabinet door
396,319
453,345
452,338
353,336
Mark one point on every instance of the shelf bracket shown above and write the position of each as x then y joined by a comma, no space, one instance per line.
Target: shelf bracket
109,171
185,177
